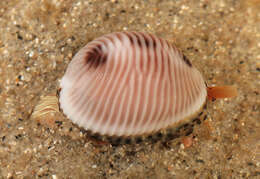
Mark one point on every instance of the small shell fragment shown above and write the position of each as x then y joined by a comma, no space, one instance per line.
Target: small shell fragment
129,84
48,104
47,110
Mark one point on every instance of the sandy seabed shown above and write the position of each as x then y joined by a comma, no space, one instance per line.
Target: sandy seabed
38,38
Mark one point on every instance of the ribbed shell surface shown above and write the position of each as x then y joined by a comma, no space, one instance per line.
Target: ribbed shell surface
130,83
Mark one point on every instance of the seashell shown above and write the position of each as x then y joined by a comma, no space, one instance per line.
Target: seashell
47,110
48,104
131,84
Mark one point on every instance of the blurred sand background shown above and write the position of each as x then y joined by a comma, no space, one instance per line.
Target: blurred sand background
38,38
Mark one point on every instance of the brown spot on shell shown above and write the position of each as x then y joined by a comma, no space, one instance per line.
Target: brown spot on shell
96,57
146,42
130,38
187,61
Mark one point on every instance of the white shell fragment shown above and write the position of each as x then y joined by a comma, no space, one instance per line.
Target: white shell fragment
46,105
130,83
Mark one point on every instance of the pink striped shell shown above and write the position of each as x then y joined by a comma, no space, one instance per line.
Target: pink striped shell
130,83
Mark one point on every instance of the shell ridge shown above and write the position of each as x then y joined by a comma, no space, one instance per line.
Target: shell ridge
108,91
139,44
159,87
156,74
129,55
184,91
88,87
147,99
178,90
166,92
190,81
93,90
89,118
188,90
120,90
132,55
165,81
146,68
